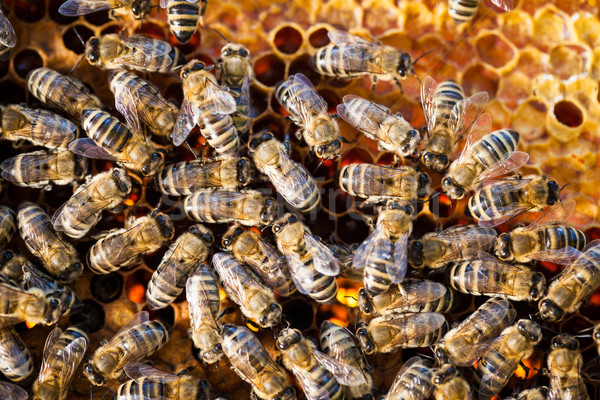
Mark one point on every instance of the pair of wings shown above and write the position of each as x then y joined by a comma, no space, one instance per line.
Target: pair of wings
379,246
42,126
63,362
354,48
201,311
304,101
10,391
141,345
464,243
36,163
216,101
419,379
41,237
8,37
13,297
572,274
72,8
409,326
121,244
275,273
237,278
193,175
135,370
416,293
178,254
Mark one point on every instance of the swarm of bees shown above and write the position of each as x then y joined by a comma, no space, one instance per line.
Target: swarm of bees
244,203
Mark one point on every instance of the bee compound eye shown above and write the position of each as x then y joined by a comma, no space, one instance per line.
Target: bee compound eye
243,53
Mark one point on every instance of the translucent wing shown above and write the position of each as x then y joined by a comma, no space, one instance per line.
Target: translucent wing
35,163
194,172
10,391
489,382
71,357
391,395
302,275
126,103
34,278
464,243
511,162
278,273
344,373
199,303
370,120
421,292
295,182
480,128
124,243
56,130
465,112
307,101
135,320
413,325
428,88
176,257
87,147
8,37
342,38
189,113
218,100
41,231
236,277
356,52
572,273
505,5
49,353
561,256
467,355
73,8
558,213
12,297
152,49
135,370
312,390
397,269
494,216
323,260
373,243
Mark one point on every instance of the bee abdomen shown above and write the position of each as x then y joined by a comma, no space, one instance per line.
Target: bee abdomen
8,225
161,289
494,146
462,10
106,130
16,364
326,379
323,64
562,236
492,364
142,388
220,133
447,94
183,19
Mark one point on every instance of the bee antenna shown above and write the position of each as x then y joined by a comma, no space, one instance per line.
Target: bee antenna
564,186
191,149
79,36
220,34
587,329
78,61
319,165
417,76
421,56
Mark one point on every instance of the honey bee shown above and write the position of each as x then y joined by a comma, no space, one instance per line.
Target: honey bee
290,179
345,256
489,276
464,10
312,265
169,279
71,8
137,339
392,131
567,292
187,177
236,75
378,183
8,225
136,52
110,140
450,385
389,332
350,56
320,375
448,116
337,342
33,305
410,295
503,200
151,383
63,352
61,92
248,207
383,254
435,250
207,105
16,363
502,359
42,169
13,392
123,247
40,127
545,239
59,256
565,363
250,248
308,110
538,393
484,156
183,17
139,101
202,294
8,37
413,381
470,339
79,214
251,361
256,300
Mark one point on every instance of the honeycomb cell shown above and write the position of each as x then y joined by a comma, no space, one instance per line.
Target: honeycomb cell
4,66
514,87
301,64
418,19
57,17
380,16
98,18
166,315
569,60
587,28
260,101
351,228
480,78
90,317
74,37
269,123
532,62
495,50
29,10
355,155
319,38
299,313
342,14
288,39
565,121
25,61
107,288
11,93
526,118
517,26
550,28
269,69
135,285
335,200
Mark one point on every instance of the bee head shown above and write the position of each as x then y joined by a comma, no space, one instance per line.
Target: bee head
122,180
245,171
55,308
363,338
95,378
329,150
258,139
435,162
213,355
230,235
193,66
139,8
287,338
269,211
550,312
405,65
553,192
440,354
446,372
364,302
452,189
503,247
71,273
565,341
153,165
92,50
530,330
288,394
415,253
203,233
424,185
538,285
231,49
165,224
271,317
203,390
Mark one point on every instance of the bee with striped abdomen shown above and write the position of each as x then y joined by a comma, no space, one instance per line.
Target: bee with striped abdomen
392,131
448,115
308,110
565,363
202,294
123,247
379,183
136,52
40,127
450,385
247,207
63,352
489,276
435,250
410,295
8,37
151,383
109,139
312,265
503,357
253,363
499,202
137,339
106,190
59,256
34,305
291,180
464,10
139,101
31,277
413,381
465,343
484,156
250,248
187,177
337,342
383,255
236,75
61,92
569,290
177,264
42,169
16,363
208,105
8,225
255,299
139,8
183,17
389,332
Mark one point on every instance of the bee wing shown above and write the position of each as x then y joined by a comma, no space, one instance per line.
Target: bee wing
71,357
312,390
34,163
397,269
465,112
428,88
505,5
12,296
353,49
306,100
345,374
135,370
125,103
87,147
467,355
125,244
488,383
572,274
73,8
302,276
189,113
175,255
481,127
144,44
295,180
9,37
423,292
164,3
494,216
510,162
555,214
459,242
369,120
33,278
412,325
323,260
237,278
49,350
416,380
11,391
219,100
186,178
51,124
377,241
199,306
135,320
279,271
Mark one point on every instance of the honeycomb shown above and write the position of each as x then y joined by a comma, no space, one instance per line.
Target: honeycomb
539,63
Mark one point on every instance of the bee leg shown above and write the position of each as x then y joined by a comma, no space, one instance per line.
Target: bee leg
375,79
287,144
525,368
398,84
226,311
185,371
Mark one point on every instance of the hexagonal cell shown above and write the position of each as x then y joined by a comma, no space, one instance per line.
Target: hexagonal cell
418,19
478,78
269,69
517,26
380,16
514,87
107,288
495,50
73,37
135,285
25,61
98,18
532,62
301,64
526,118
587,28
550,28
569,59
91,316
29,10
341,13
288,39
319,38
566,120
